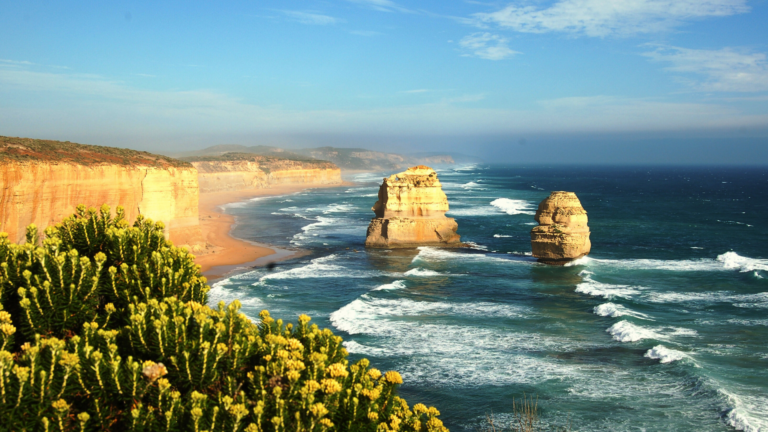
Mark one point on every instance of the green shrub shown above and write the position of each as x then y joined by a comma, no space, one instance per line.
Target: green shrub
115,334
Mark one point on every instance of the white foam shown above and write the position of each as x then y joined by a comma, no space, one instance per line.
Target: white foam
513,207
616,310
474,211
432,254
734,261
747,413
726,261
608,291
423,272
625,331
752,301
502,236
365,315
472,185
398,284
320,268
664,354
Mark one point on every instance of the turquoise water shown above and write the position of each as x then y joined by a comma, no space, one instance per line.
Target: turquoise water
663,327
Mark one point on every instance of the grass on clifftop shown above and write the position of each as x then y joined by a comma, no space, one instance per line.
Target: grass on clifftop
263,159
29,150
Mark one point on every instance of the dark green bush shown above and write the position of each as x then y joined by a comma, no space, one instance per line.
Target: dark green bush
115,334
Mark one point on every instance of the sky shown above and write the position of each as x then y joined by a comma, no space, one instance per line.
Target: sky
531,81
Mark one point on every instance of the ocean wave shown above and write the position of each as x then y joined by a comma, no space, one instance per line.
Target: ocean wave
420,272
364,315
616,310
339,208
608,291
723,262
625,331
398,284
321,268
432,254
750,301
502,236
746,413
473,186
513,207
664,354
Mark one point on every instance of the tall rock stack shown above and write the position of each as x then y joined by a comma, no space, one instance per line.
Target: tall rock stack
410,212
562,234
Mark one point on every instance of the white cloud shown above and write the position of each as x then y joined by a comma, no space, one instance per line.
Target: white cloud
608,17
416,91
311,18
726,69
94,109
487,46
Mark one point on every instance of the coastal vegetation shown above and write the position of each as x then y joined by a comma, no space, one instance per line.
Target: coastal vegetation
28,149
105,325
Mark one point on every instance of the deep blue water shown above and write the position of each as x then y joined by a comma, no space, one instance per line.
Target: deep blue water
662,327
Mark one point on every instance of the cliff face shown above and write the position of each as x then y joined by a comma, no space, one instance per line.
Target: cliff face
42,182
562,234
410,212
260,172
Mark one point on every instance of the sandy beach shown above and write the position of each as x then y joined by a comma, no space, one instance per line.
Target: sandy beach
224,250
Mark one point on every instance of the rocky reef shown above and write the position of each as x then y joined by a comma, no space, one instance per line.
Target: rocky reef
42,182
562,234
410,212
243,171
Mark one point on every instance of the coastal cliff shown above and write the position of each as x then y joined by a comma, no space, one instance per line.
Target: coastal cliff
562,234
242,171
42,182
411,211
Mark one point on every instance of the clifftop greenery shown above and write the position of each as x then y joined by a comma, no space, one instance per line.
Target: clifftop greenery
104,326
28,149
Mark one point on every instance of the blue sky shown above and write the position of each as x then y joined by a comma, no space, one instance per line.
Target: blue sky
478,76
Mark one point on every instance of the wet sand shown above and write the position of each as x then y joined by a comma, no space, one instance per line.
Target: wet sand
226,253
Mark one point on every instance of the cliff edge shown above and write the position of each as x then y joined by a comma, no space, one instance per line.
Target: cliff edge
43,181
562,234
411,211
243,171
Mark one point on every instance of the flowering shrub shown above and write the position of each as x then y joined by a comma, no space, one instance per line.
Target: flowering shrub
116,335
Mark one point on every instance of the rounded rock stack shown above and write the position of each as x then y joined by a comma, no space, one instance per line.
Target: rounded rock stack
562,234
410,212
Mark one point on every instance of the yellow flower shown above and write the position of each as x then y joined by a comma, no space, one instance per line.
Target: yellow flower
304,319
393,377
154,370
371,394
331,386
374,374
372,416
419,408
312,386
293,375
326,422
318,410
294,344
336,370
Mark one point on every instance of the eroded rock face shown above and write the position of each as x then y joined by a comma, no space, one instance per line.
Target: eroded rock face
562,234
410,212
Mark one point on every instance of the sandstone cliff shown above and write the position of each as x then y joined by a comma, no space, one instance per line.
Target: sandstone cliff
562,234
42,182
410,212
239,171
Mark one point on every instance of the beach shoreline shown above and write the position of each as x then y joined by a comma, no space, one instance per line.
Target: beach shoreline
225,253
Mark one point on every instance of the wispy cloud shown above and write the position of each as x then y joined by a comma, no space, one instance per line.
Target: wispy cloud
487,46
608,17
382,5
416,91
16,62
366,33
97,109
726,69
309,17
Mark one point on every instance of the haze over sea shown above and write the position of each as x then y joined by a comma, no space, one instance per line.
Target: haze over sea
663,327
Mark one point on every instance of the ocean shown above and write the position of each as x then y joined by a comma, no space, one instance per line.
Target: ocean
664,326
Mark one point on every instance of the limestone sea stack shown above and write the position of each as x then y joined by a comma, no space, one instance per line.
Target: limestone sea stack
410,212
562,234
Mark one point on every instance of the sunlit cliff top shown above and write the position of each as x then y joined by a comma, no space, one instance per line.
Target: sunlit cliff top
35,150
